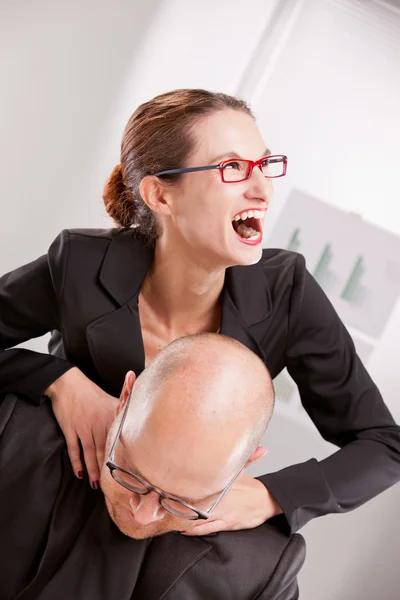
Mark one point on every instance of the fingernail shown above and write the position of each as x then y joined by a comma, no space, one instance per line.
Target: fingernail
80,474
96,485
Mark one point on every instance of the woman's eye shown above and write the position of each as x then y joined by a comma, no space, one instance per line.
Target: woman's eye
265,162
232,165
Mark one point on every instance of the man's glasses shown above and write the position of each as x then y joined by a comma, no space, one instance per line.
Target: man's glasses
234,170
136,484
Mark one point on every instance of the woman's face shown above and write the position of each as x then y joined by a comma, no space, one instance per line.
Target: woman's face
205,211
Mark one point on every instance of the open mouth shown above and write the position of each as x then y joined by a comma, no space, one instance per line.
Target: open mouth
248,225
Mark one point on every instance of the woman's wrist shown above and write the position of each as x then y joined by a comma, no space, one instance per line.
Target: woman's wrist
275,506
54,388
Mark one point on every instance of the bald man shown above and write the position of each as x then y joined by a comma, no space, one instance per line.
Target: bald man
184,431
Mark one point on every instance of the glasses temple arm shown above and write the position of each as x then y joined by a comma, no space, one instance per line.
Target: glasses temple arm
112,450
228,487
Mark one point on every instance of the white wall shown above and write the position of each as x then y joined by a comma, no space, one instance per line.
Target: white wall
73,73
62,65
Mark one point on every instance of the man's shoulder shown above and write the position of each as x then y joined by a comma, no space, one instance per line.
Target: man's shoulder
248,559
22,422
32,450
234,565
270,537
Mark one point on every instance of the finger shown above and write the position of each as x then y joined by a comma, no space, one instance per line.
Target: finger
74,453
100,442
100,457
212,527
89,452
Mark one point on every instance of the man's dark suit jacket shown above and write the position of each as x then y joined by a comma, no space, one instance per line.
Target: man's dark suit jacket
86,291
58,542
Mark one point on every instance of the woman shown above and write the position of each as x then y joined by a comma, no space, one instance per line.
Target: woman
190,198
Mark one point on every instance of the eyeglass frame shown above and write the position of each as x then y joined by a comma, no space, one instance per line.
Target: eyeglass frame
150,488
251,164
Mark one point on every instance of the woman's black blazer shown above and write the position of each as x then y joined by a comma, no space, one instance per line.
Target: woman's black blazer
85,291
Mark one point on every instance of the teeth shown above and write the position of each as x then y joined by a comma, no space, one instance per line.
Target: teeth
256,214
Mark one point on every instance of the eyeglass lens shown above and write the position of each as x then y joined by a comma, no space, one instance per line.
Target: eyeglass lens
172,506
237,170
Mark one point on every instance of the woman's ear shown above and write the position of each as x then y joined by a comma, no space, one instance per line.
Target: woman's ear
155,194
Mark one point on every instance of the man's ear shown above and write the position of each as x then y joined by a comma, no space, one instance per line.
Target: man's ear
154,194
129,382
258,453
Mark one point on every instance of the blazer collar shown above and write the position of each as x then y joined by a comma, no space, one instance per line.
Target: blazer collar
248,289
127,261
125,266
150,567
168,558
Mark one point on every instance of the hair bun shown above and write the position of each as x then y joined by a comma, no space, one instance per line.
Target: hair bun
117,200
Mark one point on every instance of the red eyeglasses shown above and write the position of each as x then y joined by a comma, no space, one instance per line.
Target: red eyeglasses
234,170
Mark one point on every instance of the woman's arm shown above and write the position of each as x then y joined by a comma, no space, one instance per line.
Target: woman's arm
346,407
28,309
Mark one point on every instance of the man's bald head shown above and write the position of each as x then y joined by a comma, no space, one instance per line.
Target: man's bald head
195,417
203,393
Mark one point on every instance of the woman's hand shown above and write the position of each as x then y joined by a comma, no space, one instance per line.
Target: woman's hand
247,504
84,412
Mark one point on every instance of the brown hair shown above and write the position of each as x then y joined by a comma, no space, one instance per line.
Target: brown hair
158,136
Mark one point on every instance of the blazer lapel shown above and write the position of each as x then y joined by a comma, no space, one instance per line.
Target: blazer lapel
167,560
115,339
246,302
104,563
249,292
116,345
124,267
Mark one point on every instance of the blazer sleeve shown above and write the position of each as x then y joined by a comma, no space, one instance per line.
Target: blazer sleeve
29,308
346,407
283,583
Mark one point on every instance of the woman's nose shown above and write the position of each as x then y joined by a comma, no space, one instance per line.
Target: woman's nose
147,508
259,186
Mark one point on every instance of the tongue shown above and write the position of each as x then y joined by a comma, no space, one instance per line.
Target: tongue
246,232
